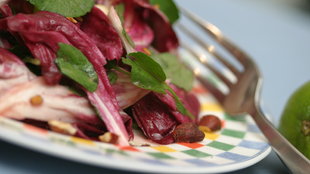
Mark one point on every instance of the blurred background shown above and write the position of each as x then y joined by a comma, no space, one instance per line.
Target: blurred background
276,33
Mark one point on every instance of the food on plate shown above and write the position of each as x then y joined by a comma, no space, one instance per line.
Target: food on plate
96,71
210,123
295,119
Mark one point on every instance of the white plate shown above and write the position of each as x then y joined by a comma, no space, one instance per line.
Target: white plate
238,145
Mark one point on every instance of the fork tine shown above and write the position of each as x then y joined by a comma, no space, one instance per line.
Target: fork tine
210,49
220,97
211,87
220,75
214,32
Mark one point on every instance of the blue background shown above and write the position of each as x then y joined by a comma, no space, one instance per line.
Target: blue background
276,33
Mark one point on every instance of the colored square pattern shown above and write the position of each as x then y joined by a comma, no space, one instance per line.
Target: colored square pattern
244,151
233,156
236,125
253,144
211,136
192,145
164,149
235,118
160,155
196,153
229,140
233,133
253,128
221,146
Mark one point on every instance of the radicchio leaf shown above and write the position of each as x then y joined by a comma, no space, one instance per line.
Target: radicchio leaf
157,114
135,25
126,92
189,100
18,85
117,24
42,32
5,10
12,71
148,25
98,27
154,119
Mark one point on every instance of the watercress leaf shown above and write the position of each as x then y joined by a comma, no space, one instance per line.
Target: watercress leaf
169,8
68,8
148,65
111,64
128,38
112,77
143,78
120,9
72,63
175,70
148,74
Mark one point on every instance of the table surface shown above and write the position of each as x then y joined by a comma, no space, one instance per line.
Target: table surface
276,33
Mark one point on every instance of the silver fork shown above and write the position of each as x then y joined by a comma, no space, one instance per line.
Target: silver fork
244,94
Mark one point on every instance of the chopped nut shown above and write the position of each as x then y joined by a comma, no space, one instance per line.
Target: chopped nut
204,129
79,19
145,145
139,144
188,133
109,137
209,123
62,127
147,51
72,20
36,100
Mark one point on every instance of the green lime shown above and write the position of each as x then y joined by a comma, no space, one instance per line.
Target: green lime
295,119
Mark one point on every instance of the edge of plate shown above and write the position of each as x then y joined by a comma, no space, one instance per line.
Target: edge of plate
59,151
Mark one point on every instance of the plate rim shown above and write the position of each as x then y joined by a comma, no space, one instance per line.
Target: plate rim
18,139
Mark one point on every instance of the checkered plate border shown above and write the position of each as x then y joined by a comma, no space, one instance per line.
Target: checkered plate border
238,145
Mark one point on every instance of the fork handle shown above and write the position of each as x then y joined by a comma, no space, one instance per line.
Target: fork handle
295,160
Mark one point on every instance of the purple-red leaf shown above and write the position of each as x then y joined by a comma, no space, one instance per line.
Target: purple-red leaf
42,32
98,27
157,114
148,25
154,119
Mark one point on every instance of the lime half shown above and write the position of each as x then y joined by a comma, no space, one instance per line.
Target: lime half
295,119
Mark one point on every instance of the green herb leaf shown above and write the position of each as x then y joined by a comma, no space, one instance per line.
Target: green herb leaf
145,72
111,64
148,65
120,9
179,104
148,74
32,61
72,63
112,77
175,70
68,8
128,38
169,8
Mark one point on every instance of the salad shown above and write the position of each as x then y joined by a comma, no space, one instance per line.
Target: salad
96,70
